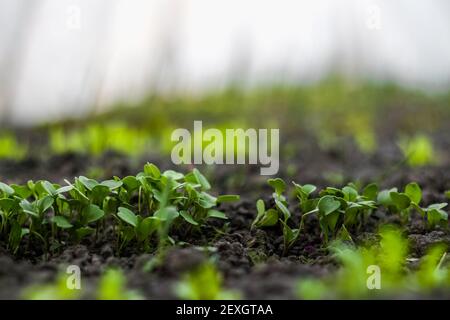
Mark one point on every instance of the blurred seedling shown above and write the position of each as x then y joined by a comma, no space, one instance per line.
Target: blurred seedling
204,283
59,290
112,286
418,150
10,148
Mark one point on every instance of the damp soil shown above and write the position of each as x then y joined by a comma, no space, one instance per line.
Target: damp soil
251,261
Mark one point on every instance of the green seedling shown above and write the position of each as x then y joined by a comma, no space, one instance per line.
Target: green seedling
339,209
432,273
10,218
138,227
204,283
279,187
303,194
329,213
96,139
173,199
403,203
280,214
435,214
54,214
264,218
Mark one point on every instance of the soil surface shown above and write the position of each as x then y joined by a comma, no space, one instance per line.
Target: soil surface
250,260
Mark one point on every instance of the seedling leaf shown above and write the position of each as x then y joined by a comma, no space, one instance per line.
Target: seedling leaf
92,213
216,214
88,183
62,222
227,198
112,184
278,185
400,200
201,180
327,205
167,214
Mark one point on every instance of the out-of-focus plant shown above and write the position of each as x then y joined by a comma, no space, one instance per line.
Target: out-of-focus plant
229,142
390,259
340,210
152,203
418,150
432,274
96,139
404,202
112,286
10,148
280,214
204,283
52,291
360,125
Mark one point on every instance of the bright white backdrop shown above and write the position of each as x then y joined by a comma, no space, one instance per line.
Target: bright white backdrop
62,57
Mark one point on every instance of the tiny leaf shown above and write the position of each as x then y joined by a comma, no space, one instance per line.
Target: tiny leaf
278,185
6,189
413,191
227,198
216,214
327,205
186,216
128,216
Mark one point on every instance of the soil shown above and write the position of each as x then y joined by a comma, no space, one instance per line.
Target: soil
250,260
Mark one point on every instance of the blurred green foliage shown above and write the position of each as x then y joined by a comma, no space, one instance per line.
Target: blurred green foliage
391,256
10,148
418,150
367,113
111,286
204,283
52,291
332,110
98,138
